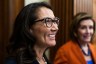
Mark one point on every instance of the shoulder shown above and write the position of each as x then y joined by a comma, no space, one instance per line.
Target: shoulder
67,47
92,47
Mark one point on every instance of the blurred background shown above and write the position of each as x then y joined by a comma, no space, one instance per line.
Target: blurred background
64,9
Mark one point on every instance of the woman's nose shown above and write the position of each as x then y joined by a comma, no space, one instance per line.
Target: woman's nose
54,26
87,30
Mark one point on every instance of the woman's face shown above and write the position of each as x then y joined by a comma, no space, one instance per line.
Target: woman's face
45,36
86,30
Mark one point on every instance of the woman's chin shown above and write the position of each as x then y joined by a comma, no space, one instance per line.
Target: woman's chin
53,43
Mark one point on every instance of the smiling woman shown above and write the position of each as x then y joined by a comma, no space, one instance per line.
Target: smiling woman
79,50
85,31
32,36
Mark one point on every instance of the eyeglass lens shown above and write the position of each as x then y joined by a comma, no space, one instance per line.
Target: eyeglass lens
49,22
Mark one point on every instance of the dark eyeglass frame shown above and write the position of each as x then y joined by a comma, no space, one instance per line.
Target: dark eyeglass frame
49,21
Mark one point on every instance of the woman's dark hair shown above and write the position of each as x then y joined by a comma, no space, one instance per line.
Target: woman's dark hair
21,36
76,23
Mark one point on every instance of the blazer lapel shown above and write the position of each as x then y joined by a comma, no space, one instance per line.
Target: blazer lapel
92,49
77,51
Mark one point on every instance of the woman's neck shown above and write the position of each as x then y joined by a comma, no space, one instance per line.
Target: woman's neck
84,47
39,51
39,54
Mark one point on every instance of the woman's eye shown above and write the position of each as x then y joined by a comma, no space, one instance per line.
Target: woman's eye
91,27
83,27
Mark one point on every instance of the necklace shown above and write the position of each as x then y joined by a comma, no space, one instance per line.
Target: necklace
38,59
85,49
88,52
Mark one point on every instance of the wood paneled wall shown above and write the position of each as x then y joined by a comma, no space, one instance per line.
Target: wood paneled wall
3,28
83,6
14,8
64,10
94,9
94,16
8,11
1,32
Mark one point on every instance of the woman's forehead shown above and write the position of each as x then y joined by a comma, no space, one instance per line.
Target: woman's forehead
44,12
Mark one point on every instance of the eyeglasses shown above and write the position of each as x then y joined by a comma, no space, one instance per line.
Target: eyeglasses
49,21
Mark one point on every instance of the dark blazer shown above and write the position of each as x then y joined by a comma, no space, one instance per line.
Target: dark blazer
70,53
13,60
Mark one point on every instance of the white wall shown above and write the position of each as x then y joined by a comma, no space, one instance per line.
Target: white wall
31,1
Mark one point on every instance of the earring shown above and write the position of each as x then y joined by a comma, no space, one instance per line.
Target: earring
75,34
31,30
